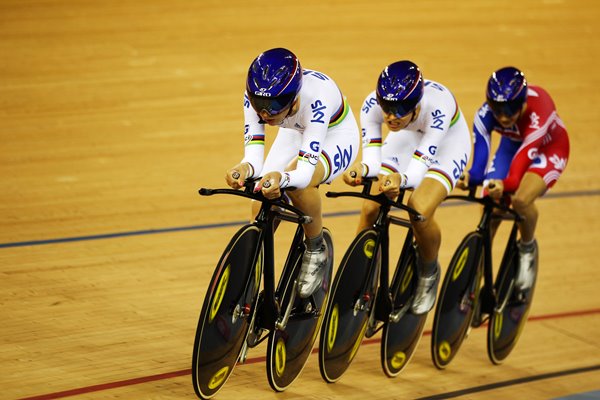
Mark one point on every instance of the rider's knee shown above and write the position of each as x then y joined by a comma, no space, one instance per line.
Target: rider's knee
370,209
421,208
521,203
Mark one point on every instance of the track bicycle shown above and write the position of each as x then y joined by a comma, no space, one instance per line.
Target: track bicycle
362,299
463,301
237,316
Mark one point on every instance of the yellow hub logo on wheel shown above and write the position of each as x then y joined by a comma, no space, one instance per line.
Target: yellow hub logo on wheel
280,357
218,378
368,248
333,327
444,351
398,360
219,293
460,265
497,326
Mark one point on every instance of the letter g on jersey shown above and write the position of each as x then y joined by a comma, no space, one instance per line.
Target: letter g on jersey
432,150
532,153
314,146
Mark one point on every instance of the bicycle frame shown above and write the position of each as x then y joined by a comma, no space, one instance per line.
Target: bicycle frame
265,219
383,302
488,298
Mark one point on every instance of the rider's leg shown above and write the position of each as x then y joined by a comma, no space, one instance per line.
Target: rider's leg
531,187
308,200
425,200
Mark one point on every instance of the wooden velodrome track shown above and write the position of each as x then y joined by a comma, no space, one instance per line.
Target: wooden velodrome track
113,114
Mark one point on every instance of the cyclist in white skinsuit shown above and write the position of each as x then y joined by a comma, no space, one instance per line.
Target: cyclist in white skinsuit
427,148
317,140
322,130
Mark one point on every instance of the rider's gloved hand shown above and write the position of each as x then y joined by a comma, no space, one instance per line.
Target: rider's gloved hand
353,175
463,181
269,185
495,188
391,184
236,176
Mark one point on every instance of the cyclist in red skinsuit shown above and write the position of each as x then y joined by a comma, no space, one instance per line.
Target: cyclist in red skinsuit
531,156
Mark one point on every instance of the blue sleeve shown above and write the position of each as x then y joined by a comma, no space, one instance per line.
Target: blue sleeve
503,158
483,125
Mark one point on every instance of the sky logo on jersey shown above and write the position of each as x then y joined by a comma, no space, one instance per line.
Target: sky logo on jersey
317,110
459,166
342,159
437,120
369,103
316,74
435,85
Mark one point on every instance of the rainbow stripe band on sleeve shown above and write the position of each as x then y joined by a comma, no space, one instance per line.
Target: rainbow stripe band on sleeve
374,143
417,155
340,114
440,176
456,115
387,169
257,139
326,161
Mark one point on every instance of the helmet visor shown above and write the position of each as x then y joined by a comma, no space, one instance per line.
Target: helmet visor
272,105
506,108
397,108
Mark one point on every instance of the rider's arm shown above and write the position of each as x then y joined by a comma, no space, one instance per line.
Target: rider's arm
539,116
322,107
254,140
482,127
438,118
371,118
503,158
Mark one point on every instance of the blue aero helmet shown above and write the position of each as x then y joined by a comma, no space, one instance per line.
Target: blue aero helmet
274,79
506,91
400,88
